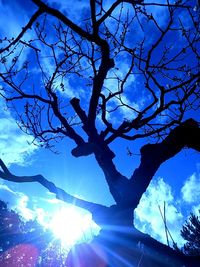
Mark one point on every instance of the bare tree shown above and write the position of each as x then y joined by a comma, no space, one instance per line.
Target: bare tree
118,71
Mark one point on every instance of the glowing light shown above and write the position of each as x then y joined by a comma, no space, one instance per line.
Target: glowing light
70,225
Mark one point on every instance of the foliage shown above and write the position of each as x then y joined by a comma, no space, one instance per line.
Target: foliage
191,233
26,242
14,229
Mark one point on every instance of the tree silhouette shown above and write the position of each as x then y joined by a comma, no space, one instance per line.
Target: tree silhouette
102,78
191,233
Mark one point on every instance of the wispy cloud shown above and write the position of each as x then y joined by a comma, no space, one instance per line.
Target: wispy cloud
15,146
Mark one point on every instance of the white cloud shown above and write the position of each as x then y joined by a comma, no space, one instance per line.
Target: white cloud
191,189
14,144
148,217
22,208
17,201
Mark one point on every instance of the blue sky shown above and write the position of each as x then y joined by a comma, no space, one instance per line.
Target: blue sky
174,183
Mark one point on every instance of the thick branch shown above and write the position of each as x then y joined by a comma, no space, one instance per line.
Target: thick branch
106,64
153,155
118,184
75,102
60,194
93,16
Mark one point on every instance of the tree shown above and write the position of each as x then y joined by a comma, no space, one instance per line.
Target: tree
191,233
125,84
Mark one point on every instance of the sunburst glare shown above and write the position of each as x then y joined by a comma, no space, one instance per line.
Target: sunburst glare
72,225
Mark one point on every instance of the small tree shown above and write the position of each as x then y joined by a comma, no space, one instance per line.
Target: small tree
191,233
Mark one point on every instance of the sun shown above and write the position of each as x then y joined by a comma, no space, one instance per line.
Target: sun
71,225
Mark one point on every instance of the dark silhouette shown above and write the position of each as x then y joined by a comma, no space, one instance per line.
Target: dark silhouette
191,233
138,87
